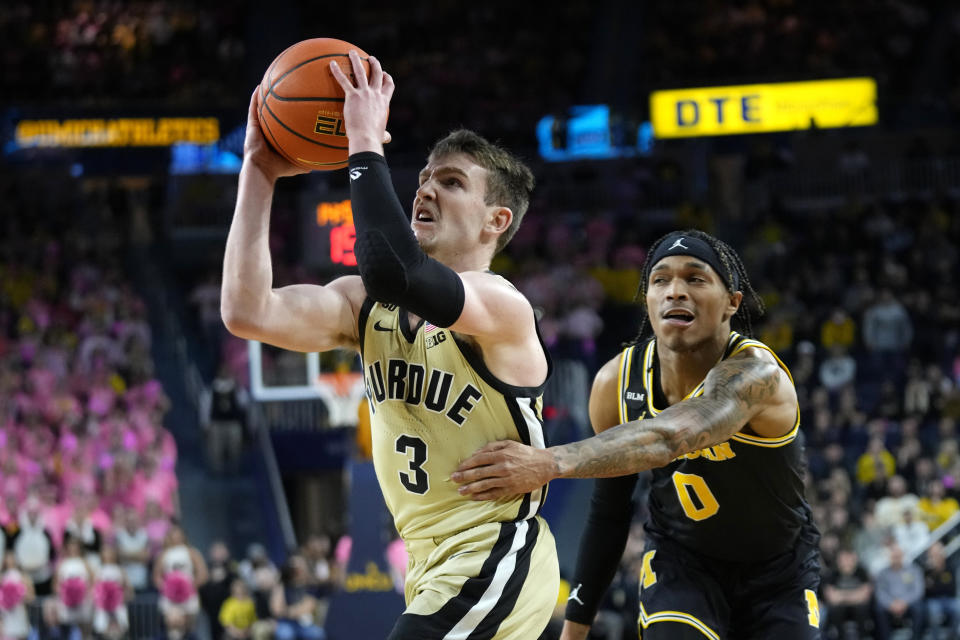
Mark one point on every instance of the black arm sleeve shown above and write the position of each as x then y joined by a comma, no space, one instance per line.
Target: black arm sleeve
392,265
601,545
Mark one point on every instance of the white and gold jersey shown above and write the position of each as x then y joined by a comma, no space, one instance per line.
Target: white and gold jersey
433,403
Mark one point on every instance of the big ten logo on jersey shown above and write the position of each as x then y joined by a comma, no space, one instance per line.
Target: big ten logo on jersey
435,339
330,123
410,383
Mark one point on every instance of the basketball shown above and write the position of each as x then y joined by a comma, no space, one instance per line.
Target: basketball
301,104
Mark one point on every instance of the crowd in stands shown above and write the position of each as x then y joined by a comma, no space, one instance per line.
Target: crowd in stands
88,493
780,40
95,53
254,599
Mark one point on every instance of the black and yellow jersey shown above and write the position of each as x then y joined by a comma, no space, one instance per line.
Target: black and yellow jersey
741,500
433,403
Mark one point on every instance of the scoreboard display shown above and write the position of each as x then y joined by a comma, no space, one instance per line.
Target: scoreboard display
329,235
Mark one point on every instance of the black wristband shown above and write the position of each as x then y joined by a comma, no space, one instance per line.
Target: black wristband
601,546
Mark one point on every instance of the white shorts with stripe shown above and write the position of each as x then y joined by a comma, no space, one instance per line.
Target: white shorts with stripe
496,581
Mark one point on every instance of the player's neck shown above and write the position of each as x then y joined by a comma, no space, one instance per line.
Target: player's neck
682,371
459,261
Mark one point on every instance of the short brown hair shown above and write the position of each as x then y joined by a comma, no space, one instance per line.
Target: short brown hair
509,181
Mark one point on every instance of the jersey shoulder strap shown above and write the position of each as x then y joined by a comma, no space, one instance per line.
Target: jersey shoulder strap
737,344
632,389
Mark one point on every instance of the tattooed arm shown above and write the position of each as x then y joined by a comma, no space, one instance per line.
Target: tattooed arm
749,387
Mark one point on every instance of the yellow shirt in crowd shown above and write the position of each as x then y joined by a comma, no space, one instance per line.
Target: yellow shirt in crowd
237,613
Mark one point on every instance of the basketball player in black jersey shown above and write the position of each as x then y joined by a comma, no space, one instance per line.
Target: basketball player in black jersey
731,545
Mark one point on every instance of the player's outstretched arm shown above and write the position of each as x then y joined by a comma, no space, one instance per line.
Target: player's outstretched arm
298,317
749,387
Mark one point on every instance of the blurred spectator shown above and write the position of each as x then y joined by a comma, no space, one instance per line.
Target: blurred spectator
870,543
257,568
72,605
81,526
178,571
158,482
264,584
848,593
111,591
911,534
917,391
875,462
899,596
935,506
133,549
293,605
325,572
217,589
948,457
777,332
889,510
225,405
839,370
33,548
238,613
156,524
887,329
940,594
16,592
838,330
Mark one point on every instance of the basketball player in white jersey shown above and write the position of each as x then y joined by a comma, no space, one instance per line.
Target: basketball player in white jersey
451,353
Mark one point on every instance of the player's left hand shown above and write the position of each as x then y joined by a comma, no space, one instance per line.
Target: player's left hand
366,105
504,468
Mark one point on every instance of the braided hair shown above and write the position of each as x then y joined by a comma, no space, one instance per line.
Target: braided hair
751,306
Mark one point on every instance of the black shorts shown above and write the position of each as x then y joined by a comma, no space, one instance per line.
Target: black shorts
684,595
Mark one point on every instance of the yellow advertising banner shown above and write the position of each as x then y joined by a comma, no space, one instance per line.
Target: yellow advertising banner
116,132
761,108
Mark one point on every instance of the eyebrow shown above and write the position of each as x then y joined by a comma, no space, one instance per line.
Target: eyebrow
443,170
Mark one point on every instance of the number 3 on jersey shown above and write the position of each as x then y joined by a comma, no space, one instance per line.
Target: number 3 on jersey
416,480
687,483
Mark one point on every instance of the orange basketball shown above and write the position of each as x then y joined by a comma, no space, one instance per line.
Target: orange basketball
301,104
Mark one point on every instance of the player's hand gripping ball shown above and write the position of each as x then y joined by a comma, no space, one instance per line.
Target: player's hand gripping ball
301,104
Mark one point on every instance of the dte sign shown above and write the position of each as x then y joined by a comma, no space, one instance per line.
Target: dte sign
719,110
758,108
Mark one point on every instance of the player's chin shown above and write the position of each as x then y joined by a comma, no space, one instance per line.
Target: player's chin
425,238
679,339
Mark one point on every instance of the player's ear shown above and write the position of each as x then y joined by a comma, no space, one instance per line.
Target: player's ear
499,220
734,303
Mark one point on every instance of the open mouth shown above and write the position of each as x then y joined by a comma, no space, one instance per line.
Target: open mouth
680,317
423,215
